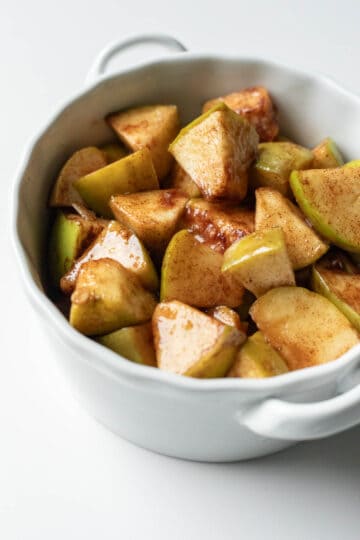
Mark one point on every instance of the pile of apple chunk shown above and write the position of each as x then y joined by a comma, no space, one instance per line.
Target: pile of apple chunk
256,239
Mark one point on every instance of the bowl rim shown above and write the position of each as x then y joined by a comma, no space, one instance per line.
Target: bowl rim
107,360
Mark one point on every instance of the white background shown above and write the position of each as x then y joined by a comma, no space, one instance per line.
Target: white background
62,476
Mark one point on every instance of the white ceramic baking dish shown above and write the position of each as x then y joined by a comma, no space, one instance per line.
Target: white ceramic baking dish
211,420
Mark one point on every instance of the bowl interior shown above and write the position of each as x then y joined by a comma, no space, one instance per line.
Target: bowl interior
310,108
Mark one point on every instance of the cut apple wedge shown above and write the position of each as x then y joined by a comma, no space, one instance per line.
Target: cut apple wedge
354,164
260,261
302,326
153,127
83,162
128,175
216,150
153,215
70,235
303,244
133,342
227,316
330,198
218,224
256,106
342,289
108,297
327,155
257,359
275,162
188,342
121,244
191,273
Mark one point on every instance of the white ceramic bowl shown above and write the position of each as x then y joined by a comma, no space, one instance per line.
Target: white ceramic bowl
211,420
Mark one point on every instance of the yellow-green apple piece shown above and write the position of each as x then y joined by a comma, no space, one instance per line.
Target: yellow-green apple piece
255,104
133,342
216,150
81,163
191,273
342,289
330,199
152,215
107,297
327,155
260,261
119,243
303,244
188,342
153,127
181,180
70,235
130,174
275,162
305,328
113,151
218,224
257,359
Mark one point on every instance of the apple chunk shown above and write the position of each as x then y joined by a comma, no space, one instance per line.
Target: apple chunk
127,175
330,198
256,106
218,224
108,297
260,261
216,150
326,155
121,244
191,273
180,180
302,326
70,235
303,244
257,359
188,342
153,215
342,289
153,127
275,162
81,163
133,342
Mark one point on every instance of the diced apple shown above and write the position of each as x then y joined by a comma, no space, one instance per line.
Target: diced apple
218,224
342,289
256,106
260,261
133,342
191,273
327,155
153,127
70,235
83,162
330,199
153,215
302,326
303,244
216,151
275,162
227,316
108,297
121,244
188,342
128,175
257,359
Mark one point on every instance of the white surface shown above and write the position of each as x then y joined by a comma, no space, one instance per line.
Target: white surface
61,474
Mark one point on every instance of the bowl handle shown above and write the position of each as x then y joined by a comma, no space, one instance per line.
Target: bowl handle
99,67
284,420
